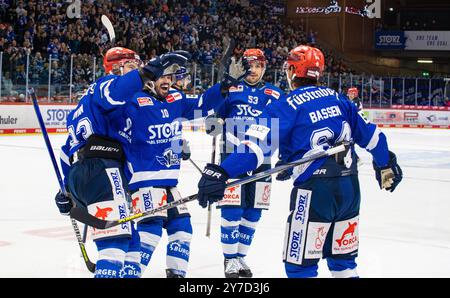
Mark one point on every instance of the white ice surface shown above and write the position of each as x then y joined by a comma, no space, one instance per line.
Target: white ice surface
402,234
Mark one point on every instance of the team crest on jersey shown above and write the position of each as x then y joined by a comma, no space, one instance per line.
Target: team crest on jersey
145,101
173,97
236,89
168,159
272,92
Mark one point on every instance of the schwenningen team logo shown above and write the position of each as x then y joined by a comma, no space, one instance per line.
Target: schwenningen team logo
168,159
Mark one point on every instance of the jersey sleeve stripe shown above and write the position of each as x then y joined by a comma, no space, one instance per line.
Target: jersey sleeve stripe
257,150
232,139
154,175
104,88
374,140
228,223
65,158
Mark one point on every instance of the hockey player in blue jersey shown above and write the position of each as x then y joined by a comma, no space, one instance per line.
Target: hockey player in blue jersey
92,158
325,200
151,134
241,207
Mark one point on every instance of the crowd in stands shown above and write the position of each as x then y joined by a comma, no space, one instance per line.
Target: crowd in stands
44,30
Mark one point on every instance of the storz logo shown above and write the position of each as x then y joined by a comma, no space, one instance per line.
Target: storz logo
390,39
168,159
294,247
148,202
162,133
117,182
123,214
300,212
57,114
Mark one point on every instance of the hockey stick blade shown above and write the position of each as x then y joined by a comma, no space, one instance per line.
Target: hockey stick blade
223,63
83,216
109,26
90,266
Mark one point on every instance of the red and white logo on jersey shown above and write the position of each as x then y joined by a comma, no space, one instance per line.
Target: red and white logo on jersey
163,199
315,239
266,193
346,236
103,212
320,237
272,92
145,101
236,89
173,97
134,204
232,196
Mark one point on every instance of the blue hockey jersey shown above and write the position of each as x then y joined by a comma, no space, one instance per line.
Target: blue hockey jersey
242,106
94,112
151,132
306,119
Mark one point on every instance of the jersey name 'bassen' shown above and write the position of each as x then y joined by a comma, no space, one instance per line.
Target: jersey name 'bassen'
324,113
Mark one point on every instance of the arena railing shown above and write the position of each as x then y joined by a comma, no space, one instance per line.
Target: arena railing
65,79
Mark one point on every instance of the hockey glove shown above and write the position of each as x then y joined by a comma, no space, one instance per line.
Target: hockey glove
164,64
389,177
214,125
283,175
235,73
212,185
63,202
185,150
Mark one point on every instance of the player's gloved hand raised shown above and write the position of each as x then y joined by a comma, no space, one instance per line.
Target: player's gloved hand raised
389,177
212,185
185,150
237,70
63,202
214,125
283,175
165,64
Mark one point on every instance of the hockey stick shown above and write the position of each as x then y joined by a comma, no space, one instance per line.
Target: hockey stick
89,264
223,63
213,161
84,217
196,166
109,26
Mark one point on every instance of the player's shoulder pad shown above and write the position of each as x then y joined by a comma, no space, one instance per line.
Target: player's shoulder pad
174,95
272,91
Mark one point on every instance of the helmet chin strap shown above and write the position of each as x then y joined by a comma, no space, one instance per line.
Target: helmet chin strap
150,86
289,79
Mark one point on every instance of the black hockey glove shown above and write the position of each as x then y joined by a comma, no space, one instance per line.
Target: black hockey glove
212,185
389,177
283,175
63,202
214,125
164,64
234,75
185,150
